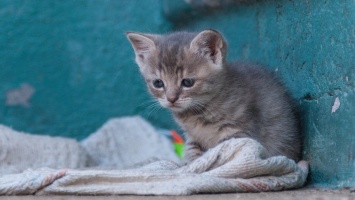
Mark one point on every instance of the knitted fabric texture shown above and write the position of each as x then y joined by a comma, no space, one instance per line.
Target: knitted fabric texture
37,164
236,165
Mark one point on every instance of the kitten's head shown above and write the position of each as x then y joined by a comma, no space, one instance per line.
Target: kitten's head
181,69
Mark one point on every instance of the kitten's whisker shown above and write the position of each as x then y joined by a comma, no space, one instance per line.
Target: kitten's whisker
153,104
151,111
144,103
195,109
204,109
156,108
151,108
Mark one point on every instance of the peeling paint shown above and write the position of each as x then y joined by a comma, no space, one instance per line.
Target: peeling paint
20,96
336,105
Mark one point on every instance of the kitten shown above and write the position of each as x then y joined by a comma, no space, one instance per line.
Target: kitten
213,100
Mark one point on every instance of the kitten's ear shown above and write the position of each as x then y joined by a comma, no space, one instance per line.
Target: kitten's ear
210,44
143,45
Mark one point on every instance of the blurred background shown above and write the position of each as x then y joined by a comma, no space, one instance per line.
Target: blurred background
66,67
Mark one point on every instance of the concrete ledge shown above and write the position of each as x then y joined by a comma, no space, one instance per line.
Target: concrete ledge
302,194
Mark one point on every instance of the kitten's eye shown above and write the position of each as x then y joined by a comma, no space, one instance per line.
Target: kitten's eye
158,83
187,82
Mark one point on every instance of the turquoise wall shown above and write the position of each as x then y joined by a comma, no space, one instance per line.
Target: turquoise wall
75,57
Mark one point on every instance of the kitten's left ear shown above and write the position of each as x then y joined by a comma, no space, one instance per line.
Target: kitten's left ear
210,44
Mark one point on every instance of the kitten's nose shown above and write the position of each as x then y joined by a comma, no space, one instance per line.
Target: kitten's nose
172,99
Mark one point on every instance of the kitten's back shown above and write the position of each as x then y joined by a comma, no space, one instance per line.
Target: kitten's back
274,116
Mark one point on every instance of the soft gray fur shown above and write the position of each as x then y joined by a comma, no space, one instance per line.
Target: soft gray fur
225,100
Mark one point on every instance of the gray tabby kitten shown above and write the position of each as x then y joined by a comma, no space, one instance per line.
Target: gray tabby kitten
213,100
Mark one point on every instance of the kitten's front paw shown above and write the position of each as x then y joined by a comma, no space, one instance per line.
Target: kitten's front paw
184,163
192,155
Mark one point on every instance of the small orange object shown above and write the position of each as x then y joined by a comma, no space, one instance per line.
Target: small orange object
176,137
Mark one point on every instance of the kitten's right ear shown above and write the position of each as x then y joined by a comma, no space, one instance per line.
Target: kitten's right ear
211,45
142,44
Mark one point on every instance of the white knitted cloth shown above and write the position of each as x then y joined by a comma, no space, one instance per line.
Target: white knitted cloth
20,151
120,144
125,142
236,165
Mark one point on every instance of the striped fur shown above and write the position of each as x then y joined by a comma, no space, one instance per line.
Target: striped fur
227,100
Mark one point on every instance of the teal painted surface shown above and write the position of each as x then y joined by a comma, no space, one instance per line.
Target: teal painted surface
76,57
310,45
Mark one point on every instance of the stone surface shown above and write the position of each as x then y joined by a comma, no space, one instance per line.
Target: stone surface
302,194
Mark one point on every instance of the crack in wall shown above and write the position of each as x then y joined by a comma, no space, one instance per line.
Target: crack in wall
309,97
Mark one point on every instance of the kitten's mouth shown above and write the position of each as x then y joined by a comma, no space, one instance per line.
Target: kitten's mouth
175,107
